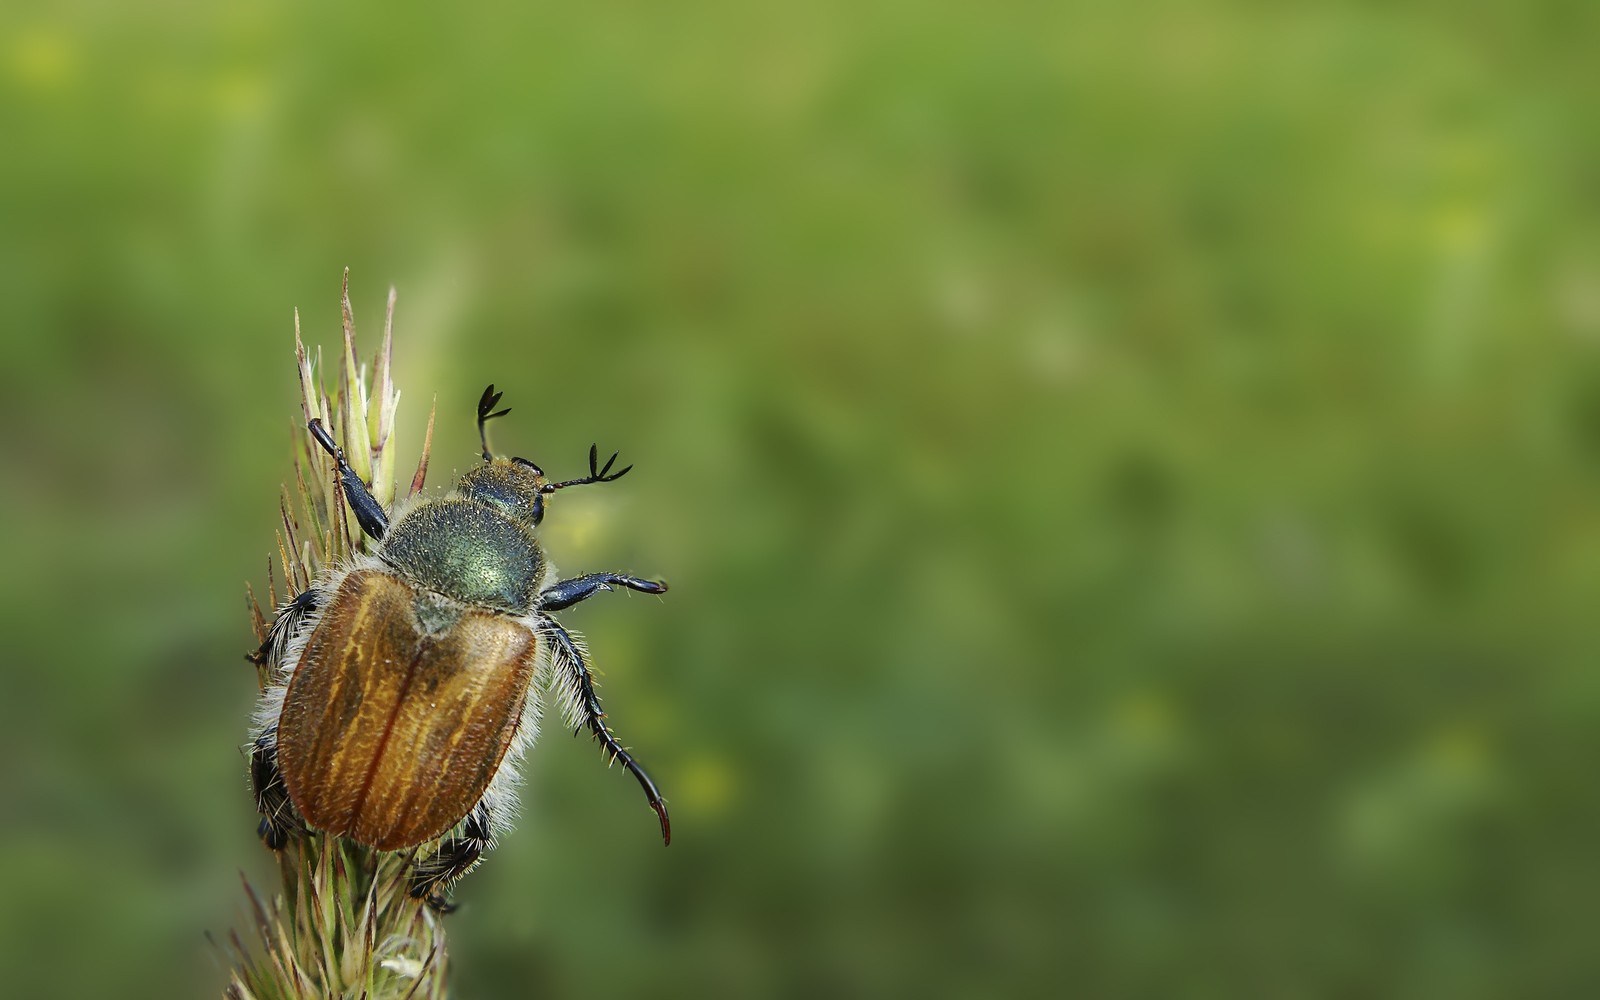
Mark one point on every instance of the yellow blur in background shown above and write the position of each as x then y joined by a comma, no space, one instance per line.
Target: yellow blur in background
1129,477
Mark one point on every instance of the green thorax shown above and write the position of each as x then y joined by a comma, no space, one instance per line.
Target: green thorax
468,551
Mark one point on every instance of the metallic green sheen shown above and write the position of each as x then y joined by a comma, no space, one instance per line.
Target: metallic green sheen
468,551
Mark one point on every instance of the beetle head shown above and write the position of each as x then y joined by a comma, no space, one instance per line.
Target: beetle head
513,485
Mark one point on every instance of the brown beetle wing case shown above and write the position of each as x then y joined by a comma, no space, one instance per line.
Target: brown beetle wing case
389,735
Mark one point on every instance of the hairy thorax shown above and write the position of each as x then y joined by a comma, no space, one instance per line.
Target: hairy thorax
467,551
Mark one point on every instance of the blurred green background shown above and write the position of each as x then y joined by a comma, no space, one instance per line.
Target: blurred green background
1129,475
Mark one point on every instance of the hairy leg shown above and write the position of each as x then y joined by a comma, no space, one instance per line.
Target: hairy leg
432,877
278,817
573,670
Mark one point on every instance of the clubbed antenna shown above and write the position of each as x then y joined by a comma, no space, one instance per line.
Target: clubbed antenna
486,413
596,474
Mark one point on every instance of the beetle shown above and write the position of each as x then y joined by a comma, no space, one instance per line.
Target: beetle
402,691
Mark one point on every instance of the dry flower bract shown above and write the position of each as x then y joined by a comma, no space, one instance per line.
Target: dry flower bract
341,923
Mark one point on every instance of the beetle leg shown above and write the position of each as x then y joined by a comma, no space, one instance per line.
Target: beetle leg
369,512
284,625
454,857
272,798
570,661
566,593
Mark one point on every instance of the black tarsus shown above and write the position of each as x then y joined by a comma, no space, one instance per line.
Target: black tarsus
486,413
596,474
594,718
566,593
454,857
369,513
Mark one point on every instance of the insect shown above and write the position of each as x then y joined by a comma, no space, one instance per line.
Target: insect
403,683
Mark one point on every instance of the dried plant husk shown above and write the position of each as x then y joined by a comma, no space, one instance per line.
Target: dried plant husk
340,924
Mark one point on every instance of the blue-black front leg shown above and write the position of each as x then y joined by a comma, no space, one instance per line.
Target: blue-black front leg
569,592
369,512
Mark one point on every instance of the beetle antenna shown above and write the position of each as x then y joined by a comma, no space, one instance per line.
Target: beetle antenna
486,413
596,473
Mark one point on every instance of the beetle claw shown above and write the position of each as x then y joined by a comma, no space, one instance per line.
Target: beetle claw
666,824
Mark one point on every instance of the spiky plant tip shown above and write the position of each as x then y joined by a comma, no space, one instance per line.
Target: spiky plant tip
343,924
